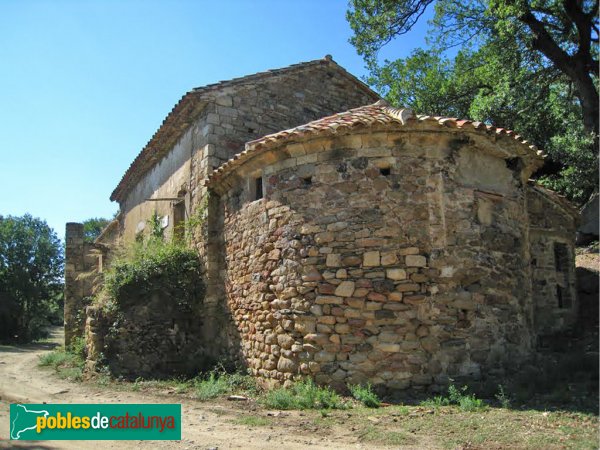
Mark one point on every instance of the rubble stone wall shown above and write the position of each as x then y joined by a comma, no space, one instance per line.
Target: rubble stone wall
552,229
377,257
83,278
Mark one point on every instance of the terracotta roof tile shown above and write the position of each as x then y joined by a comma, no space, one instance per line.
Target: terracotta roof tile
377,113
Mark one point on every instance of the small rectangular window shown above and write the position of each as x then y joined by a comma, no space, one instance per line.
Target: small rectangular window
258,188
179,220
385,171
561,257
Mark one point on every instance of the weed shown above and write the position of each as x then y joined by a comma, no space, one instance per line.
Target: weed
436,402
502,397
303,395
365,395
395,438
218,382
280,399
68,363
460,397
253,421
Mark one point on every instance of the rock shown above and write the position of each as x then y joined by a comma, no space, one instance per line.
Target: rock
285,341
388,348
333,260
396,274
351,261
286,365
345,289
416,261
388,258
371,259
329,300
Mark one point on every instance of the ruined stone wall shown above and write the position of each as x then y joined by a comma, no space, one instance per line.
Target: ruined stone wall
152,337
376,257
83,277
552,234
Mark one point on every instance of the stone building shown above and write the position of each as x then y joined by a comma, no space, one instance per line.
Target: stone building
368,245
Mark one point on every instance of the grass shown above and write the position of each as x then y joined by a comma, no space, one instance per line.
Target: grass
374,434
67,362
460,397
365,395
253,421
303,395
204,387
457,419
219,383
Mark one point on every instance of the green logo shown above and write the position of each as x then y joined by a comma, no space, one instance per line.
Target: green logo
95,422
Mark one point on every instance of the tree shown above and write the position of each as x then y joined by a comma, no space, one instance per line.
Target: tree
31,270
530,66
93,227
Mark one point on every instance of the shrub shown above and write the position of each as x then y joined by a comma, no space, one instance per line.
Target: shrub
219,383
459,397
303,395
154,265
68,363
502,397
365,395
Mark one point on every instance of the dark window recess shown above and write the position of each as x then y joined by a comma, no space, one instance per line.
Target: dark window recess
259,189
563,297
561,257
179,220
559,296
307,181
385,171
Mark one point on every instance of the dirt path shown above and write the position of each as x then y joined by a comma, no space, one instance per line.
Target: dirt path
205,425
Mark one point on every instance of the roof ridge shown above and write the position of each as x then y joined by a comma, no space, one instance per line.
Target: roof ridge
151,152
262,74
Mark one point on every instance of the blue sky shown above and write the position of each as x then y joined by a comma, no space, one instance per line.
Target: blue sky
85,84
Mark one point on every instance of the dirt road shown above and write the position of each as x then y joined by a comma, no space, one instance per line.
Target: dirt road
204,425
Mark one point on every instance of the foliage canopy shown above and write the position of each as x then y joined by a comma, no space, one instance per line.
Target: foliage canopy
31,270
93,227
529,65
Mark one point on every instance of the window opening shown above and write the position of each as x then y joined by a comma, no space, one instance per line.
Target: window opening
258,183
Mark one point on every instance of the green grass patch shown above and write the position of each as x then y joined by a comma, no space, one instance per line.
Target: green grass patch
67,362
303,395
365,395
379,435
253,421
218,383
460,397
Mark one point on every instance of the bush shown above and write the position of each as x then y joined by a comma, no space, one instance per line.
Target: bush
365,395
303,395
219,383
459,397
154,265
68,363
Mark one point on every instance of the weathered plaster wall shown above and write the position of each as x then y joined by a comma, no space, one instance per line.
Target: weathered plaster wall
551,235
167,179
351,275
